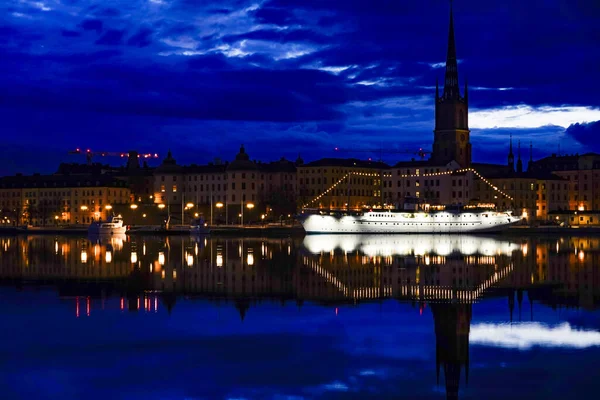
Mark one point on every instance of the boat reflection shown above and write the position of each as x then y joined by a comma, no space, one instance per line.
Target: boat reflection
378,245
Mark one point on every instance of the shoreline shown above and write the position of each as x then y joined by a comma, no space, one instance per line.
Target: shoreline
236,230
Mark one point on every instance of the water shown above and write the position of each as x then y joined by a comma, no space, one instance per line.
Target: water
324,317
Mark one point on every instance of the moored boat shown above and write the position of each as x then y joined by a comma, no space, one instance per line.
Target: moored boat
459,220
113,225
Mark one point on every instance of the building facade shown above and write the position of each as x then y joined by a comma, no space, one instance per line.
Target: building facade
226,192
42,200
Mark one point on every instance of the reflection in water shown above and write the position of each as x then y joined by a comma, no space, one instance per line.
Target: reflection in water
446,274
529,334
403,245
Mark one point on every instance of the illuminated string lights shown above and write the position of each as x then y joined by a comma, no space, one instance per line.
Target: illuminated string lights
442,173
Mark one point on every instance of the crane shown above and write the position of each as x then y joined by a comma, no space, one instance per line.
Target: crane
421,152
90,154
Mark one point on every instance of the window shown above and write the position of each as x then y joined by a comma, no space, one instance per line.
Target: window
174,188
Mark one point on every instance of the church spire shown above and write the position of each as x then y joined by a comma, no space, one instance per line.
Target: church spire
451,89
530,164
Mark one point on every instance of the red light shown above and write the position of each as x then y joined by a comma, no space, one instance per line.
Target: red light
88,150
336,149
87,306
122,304
336,311
77,307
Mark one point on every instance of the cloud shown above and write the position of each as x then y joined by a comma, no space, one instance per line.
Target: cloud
92,25
142,38
70,33
525,116
275,16
586,134
525,336
111,37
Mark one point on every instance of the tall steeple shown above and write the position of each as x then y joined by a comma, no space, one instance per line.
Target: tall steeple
451,90
519,161
530,164
451,135
511,156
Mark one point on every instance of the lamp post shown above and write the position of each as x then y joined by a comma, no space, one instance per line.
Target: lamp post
187,207
84,208
218,205
107,207
249,206
133,208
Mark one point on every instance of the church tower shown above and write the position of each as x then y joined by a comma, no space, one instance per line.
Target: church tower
451,135
511,156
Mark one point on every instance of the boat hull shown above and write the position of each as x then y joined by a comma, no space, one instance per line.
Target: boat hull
411,222
107,231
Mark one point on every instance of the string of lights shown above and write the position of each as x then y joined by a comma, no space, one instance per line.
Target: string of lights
441,173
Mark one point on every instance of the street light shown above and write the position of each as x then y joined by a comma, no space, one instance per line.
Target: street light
250,206
189,205
161,206
219,205
108,207
133,207
84,208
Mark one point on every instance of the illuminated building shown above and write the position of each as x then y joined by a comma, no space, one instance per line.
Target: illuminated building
351,180
60,199
227,188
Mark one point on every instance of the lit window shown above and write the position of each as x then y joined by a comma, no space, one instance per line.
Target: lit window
174,188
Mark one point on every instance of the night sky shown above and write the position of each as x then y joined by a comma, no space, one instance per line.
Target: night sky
289,77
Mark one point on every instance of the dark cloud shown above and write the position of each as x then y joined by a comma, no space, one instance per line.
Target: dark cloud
108,12
275,16
92,25
142,38
586,134
111,37
69,33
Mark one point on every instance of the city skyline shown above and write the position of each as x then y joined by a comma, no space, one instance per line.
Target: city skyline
295,77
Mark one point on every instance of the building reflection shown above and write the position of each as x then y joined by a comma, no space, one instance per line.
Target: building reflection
446,274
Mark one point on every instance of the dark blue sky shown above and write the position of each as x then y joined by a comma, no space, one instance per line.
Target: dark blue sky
289,77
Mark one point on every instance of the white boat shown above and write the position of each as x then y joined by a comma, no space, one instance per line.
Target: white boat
112,226
413,221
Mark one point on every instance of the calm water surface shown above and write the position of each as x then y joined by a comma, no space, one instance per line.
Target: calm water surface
324,317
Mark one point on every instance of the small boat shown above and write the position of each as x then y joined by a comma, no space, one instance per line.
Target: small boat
114,225
199,227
